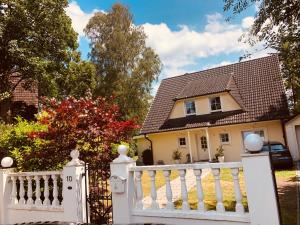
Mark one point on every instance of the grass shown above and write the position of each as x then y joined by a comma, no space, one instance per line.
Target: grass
209,192
159,181
287,192
288,199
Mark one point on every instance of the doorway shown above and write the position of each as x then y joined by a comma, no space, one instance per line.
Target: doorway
203,154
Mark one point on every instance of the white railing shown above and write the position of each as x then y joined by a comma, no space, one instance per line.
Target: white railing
129,208
44,195
41,190
140,210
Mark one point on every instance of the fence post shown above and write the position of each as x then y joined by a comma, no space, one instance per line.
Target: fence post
74,197
261,191
122,199
5,188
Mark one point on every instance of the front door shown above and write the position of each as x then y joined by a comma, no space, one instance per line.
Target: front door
202,148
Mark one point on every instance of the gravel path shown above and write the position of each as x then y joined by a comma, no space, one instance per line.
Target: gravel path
176,188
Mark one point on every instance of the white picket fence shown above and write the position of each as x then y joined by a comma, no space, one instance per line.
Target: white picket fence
43,196
127,189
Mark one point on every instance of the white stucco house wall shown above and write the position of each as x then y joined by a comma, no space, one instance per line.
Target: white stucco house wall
292,129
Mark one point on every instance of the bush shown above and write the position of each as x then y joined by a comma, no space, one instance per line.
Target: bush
14,142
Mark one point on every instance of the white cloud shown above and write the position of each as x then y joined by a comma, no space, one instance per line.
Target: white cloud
223,63
181,49
79,17
247,22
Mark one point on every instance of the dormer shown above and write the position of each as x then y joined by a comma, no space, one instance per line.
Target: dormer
206,96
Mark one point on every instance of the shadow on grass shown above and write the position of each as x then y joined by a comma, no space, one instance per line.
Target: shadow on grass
288,200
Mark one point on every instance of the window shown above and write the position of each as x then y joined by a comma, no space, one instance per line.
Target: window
182,142
215,104
261,133
190,108
224,138
203,141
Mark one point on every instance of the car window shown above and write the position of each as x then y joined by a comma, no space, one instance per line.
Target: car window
265,148
277,147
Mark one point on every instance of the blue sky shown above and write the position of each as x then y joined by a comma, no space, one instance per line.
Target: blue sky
188,35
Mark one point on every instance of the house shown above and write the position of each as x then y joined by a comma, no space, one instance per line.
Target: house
198,112
23,102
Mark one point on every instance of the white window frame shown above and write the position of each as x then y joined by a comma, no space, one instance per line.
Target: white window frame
179,143
253,131
185,109
210,100
227,142
256,130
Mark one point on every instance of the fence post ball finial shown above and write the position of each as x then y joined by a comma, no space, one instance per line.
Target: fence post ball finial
75,158
253,143
7,162
122,150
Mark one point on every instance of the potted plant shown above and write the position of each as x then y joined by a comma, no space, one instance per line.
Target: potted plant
177,155
220,154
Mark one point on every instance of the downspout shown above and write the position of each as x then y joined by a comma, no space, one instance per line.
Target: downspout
283,131
151,145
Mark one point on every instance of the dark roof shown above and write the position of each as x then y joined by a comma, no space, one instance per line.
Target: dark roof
205,86
256,85
27,96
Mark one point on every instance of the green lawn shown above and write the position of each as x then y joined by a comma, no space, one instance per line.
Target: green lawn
209,192
287,190
160,180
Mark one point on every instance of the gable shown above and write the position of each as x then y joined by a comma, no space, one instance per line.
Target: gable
202,104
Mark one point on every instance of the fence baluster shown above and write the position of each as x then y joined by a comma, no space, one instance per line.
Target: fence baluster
38,200
201,206
169,194
154,204
184,193
220,206
55,201
239,208
139,190
13,198
22,191
29,191
46,190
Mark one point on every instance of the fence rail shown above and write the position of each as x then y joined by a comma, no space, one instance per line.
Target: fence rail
42,196
129,207
40,190
201,212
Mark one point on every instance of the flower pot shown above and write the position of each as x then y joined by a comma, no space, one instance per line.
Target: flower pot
221,159
177,161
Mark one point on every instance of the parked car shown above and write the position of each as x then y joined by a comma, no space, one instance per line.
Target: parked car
280,154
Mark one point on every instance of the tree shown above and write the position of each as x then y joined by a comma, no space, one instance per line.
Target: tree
37,45
277,24
125,66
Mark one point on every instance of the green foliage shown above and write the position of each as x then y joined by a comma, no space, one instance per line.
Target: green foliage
277,24
125,67
14,142
220,151
177,155
38,46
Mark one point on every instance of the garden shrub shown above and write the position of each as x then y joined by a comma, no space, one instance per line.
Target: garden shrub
14,142
91,126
